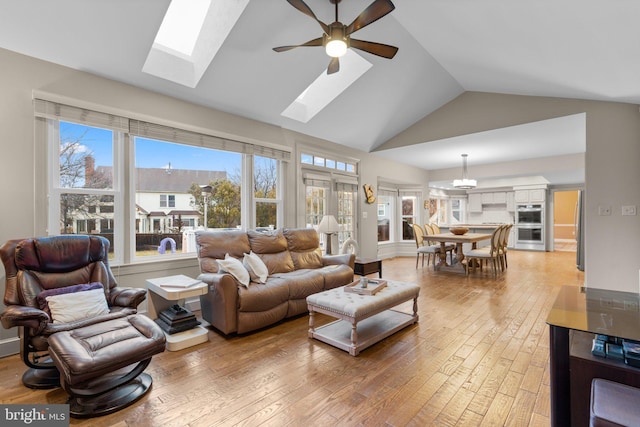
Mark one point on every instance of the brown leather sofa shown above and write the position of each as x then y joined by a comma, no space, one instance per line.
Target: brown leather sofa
296,267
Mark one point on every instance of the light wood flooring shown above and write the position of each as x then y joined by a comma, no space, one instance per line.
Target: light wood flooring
479,356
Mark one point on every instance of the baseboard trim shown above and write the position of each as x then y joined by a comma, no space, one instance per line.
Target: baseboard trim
9,347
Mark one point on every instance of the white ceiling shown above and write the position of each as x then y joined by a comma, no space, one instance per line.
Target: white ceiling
561,48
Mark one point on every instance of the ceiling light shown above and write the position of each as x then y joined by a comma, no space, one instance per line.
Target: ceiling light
465,183
336,48
335,43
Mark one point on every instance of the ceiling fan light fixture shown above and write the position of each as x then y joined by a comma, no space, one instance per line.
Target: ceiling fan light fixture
465,183
336,48
335,43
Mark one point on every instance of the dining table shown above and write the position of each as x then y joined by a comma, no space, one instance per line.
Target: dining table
456,264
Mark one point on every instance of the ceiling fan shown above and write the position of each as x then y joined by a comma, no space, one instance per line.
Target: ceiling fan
336,38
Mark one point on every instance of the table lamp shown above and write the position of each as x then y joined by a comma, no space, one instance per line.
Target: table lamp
328,226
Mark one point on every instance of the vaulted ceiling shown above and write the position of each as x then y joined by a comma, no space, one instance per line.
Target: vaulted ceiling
585,49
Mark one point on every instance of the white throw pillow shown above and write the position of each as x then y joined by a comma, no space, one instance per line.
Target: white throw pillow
257,268
234,267
68,308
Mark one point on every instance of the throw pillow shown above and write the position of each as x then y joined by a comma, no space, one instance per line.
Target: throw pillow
234,267
256,267
68,308
42,296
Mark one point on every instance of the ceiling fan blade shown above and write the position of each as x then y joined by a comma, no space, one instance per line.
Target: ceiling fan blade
383,50
302,7
314,42
375,11
334,66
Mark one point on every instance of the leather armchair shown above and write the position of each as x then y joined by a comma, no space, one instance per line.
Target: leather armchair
36,264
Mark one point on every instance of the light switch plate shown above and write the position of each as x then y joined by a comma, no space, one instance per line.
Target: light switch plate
604,210
629,210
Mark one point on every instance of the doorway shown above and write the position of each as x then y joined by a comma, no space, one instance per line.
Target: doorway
565,212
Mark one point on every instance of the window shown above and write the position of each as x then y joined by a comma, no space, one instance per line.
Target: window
84,197
346,194
315,202
323,162
409,212
87,190
268,202
167,201
386,208
163,166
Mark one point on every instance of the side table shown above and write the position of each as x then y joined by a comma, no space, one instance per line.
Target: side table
160,298
364,266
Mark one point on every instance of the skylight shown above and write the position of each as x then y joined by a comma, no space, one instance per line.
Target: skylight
190,36
182,24
327,87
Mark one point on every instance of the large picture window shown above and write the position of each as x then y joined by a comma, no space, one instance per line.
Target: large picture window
178,181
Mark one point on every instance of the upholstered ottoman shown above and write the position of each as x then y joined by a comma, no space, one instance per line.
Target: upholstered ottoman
363,319
614,404
101,366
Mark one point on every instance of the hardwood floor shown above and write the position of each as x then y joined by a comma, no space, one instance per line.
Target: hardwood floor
479,356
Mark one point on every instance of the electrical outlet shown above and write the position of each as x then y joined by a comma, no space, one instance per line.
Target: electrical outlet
604,210
629,210
606,303
364,215
631,305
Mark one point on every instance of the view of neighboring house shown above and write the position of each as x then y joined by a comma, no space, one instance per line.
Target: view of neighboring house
162,199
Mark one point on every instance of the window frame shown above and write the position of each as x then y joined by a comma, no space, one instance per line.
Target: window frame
48,115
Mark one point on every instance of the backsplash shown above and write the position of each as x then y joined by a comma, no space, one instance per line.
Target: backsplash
491,214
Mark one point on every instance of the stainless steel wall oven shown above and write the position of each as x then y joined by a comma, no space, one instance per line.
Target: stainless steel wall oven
530,227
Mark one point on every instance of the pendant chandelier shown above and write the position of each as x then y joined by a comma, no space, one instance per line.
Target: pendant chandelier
465,183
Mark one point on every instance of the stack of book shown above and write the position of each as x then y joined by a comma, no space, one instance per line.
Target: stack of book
176,319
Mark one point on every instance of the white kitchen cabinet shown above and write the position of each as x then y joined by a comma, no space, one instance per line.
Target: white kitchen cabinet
522,196
500,197
536,195
475,202
530,196
511,201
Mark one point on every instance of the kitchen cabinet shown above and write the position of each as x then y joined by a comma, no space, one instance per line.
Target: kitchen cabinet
475,202
530,196
499,197
511,201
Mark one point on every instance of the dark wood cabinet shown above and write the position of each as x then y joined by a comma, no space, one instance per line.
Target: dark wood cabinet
584,367
576,316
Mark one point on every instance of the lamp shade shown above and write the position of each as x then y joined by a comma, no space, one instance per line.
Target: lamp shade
328,225
465,183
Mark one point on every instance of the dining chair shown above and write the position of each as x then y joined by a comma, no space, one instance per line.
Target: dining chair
435,229
504,243
424,248
486,254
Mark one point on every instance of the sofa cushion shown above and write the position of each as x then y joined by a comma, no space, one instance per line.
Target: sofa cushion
262,297
303,283
272,249
336,275
213,245
304,246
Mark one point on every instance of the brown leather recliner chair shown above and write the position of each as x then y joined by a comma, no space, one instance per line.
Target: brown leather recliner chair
86,349
33,265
